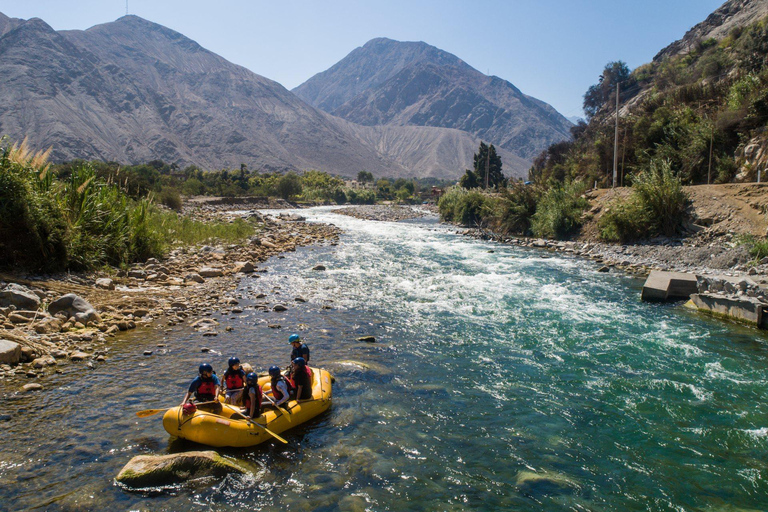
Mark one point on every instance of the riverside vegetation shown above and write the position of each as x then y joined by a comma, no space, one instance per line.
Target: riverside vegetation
685,119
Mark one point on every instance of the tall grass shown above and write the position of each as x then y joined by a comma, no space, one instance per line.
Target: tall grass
83,221
465,207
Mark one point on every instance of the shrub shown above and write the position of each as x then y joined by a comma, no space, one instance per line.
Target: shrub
446,205
558,213
656,207
515,208
470,209
171,198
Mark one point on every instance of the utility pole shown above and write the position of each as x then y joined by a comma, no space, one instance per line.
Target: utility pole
126,7
487,165
711,140
616,139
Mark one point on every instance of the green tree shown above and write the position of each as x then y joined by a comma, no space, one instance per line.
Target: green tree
469,180
289,185
365,177
596,96
486,161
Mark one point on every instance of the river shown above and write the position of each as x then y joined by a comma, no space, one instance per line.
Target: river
502,378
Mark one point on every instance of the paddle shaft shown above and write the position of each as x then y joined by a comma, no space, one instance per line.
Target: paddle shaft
151,412
249,420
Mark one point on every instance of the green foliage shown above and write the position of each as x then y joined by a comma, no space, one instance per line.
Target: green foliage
516,206
559,211
289,186
469,180
365,177
758,247
599,94
468,208
656,207
487,168
361,196
79,220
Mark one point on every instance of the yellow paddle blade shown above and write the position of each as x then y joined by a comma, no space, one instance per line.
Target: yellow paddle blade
148,412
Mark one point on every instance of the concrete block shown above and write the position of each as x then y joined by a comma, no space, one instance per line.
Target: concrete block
663,286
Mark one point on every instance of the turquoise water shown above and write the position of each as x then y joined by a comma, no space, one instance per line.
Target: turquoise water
500,380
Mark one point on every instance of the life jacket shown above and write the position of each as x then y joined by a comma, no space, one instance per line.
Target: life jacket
303,377
234,379
276,393
247,398
206,391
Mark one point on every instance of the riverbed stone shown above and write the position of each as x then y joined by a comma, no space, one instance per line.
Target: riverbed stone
279,308
78,355
74,306
10,352
244,267
19,296
105,283
48,326
32,387
158,470
210,272
367,339
545,483
318,267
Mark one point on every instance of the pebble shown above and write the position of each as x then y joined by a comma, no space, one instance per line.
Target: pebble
205,349
368,339
147,352
32,387
274,326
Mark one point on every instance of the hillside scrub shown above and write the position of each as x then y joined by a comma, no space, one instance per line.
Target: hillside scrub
698,110
78,220
656,207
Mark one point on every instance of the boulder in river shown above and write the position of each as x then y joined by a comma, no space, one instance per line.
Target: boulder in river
158,470
105,283
19,296
545,483
74,306
318,267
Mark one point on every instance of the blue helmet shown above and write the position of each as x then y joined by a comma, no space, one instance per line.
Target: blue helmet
233,361
205,367
299,361
274,370
294,338
252,378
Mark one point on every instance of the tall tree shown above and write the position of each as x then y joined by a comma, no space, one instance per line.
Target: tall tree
486,157
598,94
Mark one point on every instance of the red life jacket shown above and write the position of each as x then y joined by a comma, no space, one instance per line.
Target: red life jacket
206,391
247,400
234,380
276,393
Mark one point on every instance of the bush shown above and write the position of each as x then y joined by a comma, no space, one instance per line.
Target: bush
515,208
558,213
468,208
171,198
446,205
656,207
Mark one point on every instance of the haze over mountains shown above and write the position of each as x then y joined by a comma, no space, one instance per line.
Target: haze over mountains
134,91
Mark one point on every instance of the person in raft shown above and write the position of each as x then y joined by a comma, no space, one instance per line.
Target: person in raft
280,387
234,382
253,396
300,349
302,379
205,387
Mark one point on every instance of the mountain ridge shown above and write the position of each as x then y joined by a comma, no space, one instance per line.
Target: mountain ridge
133,91
413,83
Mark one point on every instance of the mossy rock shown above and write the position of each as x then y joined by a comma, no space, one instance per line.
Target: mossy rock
160,470
545,483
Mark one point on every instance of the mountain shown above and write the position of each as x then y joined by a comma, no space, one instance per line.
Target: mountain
133,91
394,83
734,13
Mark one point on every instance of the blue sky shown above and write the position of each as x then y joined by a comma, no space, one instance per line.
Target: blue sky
550,49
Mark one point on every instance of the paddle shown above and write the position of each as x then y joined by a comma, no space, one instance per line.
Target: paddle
151,412
288,416
249,420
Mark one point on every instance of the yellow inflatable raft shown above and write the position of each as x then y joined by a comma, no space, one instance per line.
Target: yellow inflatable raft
225,426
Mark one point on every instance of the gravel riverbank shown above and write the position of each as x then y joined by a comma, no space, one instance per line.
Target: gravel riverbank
186,287
388,213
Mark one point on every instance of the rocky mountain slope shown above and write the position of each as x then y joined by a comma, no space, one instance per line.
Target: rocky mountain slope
133,91
733,13
394,83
